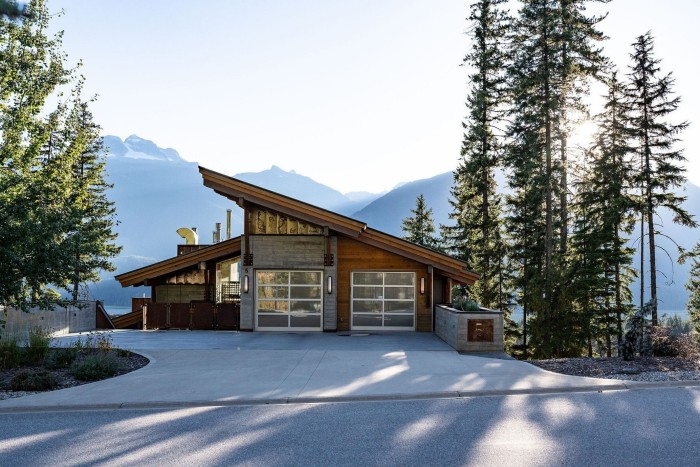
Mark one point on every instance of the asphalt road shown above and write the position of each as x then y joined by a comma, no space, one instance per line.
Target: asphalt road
639,427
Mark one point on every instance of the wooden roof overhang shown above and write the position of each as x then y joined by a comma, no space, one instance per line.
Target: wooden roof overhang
451,267
241,192
182,262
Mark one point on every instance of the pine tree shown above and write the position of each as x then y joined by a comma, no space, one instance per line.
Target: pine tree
693,287
661,169
420,227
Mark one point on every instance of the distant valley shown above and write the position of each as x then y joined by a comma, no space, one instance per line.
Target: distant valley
156,192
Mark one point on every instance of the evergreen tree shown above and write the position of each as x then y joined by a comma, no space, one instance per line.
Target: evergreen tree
420,228
89,215
661,169
600,258
477,235
693,287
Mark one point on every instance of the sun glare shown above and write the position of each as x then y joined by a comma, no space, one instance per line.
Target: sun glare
583,134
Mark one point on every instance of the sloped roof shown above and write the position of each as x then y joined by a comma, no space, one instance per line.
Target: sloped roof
239,191
242,192
188,260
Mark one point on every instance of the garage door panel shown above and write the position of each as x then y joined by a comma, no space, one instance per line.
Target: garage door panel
383,300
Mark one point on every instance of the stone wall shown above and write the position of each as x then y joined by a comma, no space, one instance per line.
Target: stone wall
59,321
470,331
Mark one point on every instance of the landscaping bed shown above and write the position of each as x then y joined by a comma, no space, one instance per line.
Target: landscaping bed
642,368
38,367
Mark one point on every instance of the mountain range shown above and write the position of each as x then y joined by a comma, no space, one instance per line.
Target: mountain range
156,192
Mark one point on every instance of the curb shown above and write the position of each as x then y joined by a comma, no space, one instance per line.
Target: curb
623,386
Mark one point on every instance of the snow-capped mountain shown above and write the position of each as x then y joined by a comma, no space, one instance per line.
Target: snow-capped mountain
135,147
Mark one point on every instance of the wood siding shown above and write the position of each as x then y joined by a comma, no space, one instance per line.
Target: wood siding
356,256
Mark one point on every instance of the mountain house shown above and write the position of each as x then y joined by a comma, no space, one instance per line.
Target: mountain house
298,267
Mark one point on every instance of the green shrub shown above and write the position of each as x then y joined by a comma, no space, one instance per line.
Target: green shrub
39,343
465,304
10,352
61,357
27,380
95,367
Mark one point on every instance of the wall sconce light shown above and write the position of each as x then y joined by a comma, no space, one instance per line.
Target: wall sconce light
422,285
246,284
329,284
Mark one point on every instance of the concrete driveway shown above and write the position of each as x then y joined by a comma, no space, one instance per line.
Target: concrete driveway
226,368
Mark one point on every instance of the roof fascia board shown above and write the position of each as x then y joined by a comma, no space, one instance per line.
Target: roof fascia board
179,262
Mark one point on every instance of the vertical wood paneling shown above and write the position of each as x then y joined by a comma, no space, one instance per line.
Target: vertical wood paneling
357,256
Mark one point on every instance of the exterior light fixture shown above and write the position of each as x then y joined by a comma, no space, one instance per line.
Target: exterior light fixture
329,284
246,284
422,285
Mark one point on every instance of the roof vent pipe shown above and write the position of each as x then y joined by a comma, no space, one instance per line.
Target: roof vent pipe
190,235
228,224
217,233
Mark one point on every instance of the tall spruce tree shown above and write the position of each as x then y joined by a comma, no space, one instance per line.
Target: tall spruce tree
420,228
660,162
601,270
477,235
89,214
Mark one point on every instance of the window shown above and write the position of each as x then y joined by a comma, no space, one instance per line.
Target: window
383,300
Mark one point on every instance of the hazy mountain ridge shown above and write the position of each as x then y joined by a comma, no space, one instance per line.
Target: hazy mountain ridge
156,194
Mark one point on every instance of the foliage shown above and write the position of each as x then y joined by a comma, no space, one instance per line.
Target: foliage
465,304
420,227
61,357
10,352
665,344
600,260
95,342
39,344
651,101
95,366
477,236
693,287
46,199
636,339
554,56
676,325
33,380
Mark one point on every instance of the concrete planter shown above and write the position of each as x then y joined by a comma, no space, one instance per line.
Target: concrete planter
470,331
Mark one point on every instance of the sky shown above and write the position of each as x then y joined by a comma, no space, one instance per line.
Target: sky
359,95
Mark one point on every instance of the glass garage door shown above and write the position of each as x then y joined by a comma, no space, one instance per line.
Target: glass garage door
289,300
383,300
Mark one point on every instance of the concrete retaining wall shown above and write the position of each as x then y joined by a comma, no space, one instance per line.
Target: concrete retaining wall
453,326
60,320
